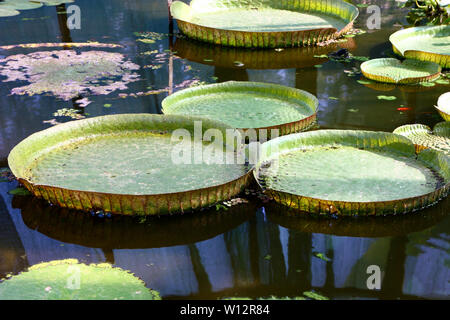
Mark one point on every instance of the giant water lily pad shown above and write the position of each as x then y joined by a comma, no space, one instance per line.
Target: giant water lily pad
70,280
68,74
409,71
429,43
130,164
268,23
247,105
346,172
10,7
443,106
7,11
423,137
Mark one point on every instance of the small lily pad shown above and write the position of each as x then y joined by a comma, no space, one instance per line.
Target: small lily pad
19,192
389,98
322,256
314,295
364,82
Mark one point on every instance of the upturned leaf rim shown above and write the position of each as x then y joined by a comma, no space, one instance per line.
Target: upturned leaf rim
278,91
433,70
254,39
37,144
361,139
416,53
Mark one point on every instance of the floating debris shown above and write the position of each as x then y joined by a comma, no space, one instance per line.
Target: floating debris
68,74
61,44
71,113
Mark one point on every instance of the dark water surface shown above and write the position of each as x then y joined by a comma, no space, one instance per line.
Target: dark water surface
249,250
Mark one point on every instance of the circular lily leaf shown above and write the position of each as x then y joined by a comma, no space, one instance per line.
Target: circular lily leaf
429,43
269,23
70,280
423,137
409,71
444,106
8,11
22,4
346,172
130,164
247,105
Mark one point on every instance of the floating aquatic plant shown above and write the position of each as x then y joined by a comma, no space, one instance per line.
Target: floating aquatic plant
409,71
69,112
68,74
430,43
61,44
344,172
247,105
423,137
131,167
70,280
443,106
10,7
427,12
268,24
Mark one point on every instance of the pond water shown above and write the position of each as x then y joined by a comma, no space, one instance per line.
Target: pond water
251,249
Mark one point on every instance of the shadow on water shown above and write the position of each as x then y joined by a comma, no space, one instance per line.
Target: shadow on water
12,253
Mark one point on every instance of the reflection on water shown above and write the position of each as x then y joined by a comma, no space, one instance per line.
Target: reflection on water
248,250
244,251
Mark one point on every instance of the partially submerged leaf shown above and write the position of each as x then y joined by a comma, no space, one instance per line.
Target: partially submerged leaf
19,192
314,295
322,256
389,98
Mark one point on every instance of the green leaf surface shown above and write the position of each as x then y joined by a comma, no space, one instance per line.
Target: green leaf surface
409,71
423,137
429,43
348,172
70,280
269,18
132,156
388,98
243,105
19,192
